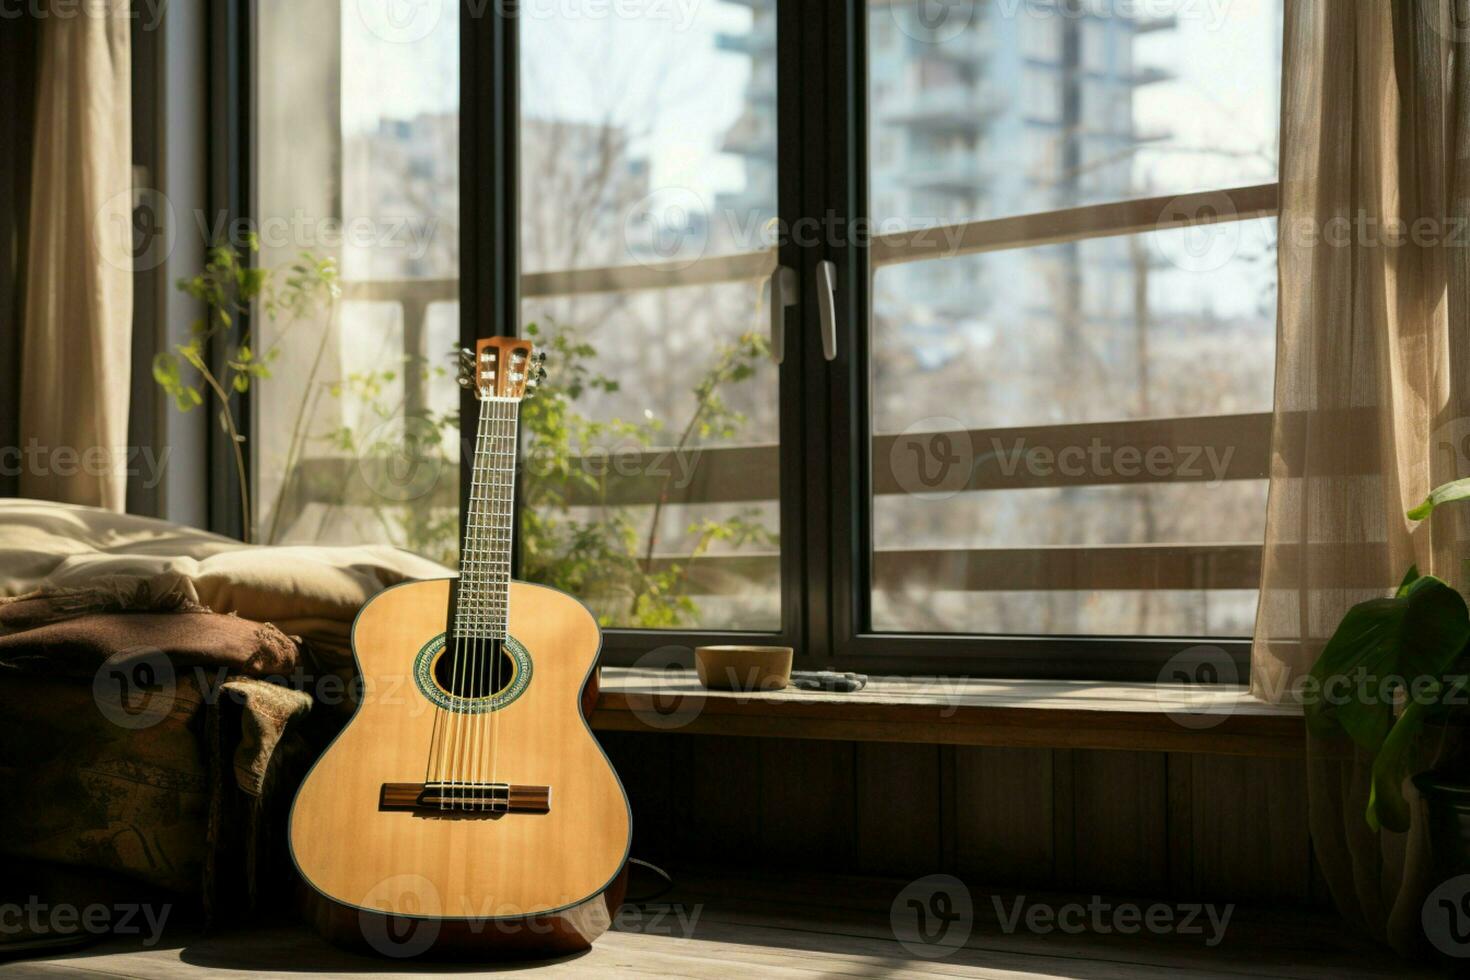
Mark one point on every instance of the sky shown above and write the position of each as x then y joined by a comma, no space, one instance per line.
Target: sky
661,75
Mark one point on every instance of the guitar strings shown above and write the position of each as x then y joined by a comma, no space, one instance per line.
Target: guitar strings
492,586
458,748
467,614
502,572
470,605
496,568
449,742
471,721
510,427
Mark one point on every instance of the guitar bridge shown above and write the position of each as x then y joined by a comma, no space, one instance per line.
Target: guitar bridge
468,797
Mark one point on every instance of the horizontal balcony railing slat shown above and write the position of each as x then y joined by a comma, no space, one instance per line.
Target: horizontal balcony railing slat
1080,568
1076,224
942,241
1184,567
1230,447
1073,568
1199,449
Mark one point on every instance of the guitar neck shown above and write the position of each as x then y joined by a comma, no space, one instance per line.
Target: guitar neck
484,563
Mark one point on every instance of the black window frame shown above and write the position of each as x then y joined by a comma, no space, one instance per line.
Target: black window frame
825,448
826,503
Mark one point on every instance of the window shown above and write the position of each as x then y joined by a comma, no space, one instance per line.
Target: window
1068,437
648,161
1015,263
355,436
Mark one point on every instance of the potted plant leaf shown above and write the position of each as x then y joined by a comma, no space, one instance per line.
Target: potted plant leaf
1393,679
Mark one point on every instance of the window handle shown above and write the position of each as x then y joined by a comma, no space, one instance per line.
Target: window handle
783,294
827,306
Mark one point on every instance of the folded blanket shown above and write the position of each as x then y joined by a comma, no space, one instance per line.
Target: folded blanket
79,646
95,560
145,744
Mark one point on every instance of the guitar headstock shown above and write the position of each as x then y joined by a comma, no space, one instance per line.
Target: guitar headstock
502,367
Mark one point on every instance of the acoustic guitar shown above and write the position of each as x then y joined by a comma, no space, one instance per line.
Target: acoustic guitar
466,807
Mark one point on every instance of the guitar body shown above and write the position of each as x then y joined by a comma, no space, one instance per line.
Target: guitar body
403,868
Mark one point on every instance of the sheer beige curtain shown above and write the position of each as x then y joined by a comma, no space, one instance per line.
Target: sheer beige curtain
1371,384
77,336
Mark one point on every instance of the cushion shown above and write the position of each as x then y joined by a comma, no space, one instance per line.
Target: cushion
309,591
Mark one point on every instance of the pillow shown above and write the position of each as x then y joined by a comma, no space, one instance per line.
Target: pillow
119,561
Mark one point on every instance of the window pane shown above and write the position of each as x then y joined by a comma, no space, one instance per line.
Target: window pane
983,110
648,147
1071,439
356,436
1096,443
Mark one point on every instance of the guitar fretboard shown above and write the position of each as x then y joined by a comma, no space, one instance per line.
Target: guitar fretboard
484,561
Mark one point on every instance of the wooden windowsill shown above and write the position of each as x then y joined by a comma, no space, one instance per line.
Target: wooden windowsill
962,711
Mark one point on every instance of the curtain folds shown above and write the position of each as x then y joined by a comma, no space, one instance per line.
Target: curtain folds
1372,404
76,342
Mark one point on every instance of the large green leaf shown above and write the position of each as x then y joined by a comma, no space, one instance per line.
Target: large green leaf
1419,632
1446,494
1387,807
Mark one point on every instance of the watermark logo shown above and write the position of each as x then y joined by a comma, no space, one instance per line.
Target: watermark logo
138,230
1446,917
1363,228
1199,232
134,689
400,916
401,21
149,13
1101,458
34,459
659,919
933,21
38,918
1102,917
680,13
668,696
668,228
933,458
400,459
625,459
135,230
933,916
1189,686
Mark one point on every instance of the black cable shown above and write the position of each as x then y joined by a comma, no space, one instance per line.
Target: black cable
645,899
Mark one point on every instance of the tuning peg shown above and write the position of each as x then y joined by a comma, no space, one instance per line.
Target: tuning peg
465,381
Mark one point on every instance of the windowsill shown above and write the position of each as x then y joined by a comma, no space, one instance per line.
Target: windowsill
962,711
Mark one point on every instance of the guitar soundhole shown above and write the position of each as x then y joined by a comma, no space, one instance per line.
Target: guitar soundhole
481,669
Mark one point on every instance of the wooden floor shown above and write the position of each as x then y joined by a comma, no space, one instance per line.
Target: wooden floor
724,926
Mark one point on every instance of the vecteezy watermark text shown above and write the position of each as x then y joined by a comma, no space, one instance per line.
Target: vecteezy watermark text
1102,917
147,12
1099,458
301,230
122,919
34,459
